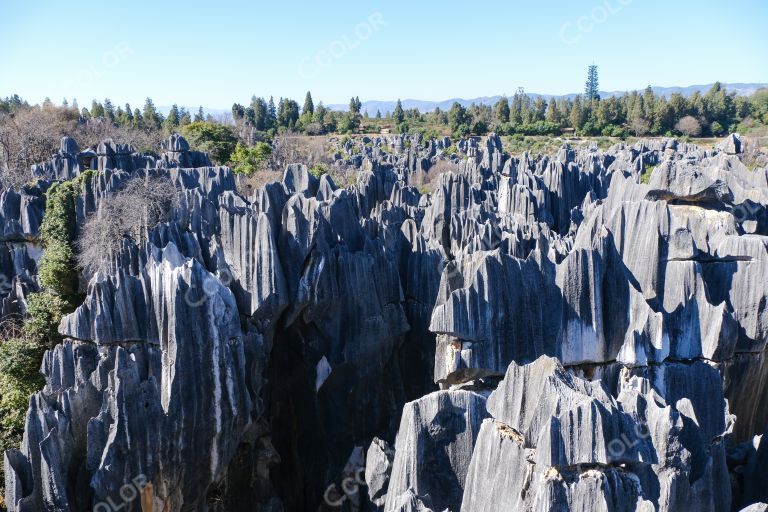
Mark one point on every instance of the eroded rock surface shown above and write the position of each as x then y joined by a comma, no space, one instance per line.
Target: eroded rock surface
536,333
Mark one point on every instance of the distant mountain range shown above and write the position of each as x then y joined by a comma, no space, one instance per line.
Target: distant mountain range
427,106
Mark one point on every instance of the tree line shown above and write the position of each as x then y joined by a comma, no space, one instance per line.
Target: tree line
714,113
640,113
30,133
264,116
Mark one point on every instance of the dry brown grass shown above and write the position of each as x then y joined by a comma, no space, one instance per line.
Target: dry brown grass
754,152
306,149
426,182
246,185
505,430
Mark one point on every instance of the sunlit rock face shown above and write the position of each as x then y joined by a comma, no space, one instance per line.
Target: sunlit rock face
530,333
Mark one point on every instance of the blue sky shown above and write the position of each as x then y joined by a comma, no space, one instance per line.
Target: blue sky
216,52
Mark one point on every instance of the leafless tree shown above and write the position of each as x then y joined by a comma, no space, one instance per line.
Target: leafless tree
11,327
140,205
309,150
224,118
92,131
30,135
639,125
314,129
427,181
689,126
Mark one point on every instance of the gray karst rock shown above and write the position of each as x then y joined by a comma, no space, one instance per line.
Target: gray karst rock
539,332
378,468
128,400
756,507
178,154
566,444
434,446
731,145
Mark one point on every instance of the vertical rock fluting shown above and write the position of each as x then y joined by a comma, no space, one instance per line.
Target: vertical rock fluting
599,343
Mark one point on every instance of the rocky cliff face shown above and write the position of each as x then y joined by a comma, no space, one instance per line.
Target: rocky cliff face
537,333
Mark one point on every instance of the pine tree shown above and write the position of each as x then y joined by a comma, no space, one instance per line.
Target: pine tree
97,110
516,111
398,115
649,103
238,111
501,110
290,113
129,120
553,116
591,92
354,105
150,115
539,109
309,106
319,115
260,114
592,88
271,114
200,114
109,110
184,117
173,119
577,114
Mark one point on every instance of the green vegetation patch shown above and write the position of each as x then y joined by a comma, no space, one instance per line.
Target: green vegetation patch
318,170
218,140
249,160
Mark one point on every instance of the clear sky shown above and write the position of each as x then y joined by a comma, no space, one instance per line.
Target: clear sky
216,52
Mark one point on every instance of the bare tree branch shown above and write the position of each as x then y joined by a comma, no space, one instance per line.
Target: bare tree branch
140,205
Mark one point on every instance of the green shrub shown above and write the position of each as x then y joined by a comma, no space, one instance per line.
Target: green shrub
614,131
645,177
58,270
589,128
215,139
59,220
58,267
19,378
249,160
318,170
479,127
44,312
20,358
21,355
461,130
